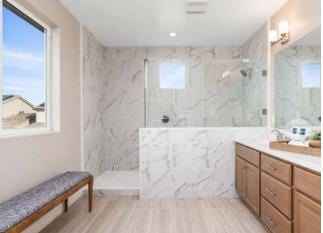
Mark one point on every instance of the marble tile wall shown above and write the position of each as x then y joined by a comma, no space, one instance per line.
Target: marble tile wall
210,99
94,84
114,104
291,99
124,113
190,162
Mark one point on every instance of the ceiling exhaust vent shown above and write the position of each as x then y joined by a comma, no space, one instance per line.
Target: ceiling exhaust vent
196,6
194,12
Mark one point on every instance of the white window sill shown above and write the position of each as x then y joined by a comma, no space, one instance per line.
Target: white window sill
26,132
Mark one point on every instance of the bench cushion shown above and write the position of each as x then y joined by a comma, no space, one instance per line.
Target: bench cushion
18,208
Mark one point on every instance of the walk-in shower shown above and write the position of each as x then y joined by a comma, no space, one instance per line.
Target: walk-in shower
204,92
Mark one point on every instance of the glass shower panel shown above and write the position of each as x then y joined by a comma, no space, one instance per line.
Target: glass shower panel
194,93
170,96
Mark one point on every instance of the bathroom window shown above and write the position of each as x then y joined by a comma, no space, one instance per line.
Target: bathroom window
311,75
24,80
171,75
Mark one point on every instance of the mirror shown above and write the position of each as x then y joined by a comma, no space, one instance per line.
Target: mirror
297,74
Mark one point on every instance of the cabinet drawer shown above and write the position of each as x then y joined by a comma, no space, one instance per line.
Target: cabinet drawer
308,183
273,219
278,169
248,154
277,193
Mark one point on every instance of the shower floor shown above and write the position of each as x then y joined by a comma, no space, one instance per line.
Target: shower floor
117,183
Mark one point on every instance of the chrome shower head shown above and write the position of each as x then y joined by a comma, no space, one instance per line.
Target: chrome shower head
244,73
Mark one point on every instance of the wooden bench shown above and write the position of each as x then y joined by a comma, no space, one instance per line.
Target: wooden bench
23,210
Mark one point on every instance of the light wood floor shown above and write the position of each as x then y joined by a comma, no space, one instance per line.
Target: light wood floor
134,215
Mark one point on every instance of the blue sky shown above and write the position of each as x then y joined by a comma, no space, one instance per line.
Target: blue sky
171,75
23,59
311,75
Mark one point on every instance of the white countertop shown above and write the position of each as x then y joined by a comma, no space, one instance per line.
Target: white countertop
307,161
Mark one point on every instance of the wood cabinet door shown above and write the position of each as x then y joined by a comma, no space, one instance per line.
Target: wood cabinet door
252,188
241,166
307,214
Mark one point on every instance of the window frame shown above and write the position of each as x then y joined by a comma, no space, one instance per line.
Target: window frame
35,21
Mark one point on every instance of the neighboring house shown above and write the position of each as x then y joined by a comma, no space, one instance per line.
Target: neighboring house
17,112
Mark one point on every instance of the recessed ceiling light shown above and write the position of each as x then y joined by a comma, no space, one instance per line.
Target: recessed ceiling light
172,34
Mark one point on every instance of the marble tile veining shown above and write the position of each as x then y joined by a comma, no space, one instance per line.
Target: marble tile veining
114,105
292,98
190,162
211,99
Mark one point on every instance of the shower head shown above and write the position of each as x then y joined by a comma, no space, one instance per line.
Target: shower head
244,73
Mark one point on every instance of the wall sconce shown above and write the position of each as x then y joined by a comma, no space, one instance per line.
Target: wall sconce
283,34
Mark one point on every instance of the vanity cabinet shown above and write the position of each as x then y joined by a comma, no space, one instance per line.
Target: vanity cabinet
307,201
274,220
276,194
248,177
278,169
307,213
287,198
240,177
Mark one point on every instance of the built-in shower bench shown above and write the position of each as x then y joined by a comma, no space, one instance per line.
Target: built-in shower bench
23,210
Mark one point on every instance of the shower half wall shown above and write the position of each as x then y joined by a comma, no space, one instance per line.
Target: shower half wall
113,87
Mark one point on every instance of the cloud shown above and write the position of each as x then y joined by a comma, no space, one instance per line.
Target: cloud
23,60
172,75
19,56
13,88
30,87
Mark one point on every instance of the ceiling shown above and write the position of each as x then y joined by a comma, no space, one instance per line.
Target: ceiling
148,22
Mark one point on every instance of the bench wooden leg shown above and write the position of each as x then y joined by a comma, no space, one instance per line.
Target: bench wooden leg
90,193
66,205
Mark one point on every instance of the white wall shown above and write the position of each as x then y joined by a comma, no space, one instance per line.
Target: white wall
29,160
94,78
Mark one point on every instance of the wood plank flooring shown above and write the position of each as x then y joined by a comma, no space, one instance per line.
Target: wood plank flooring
134,215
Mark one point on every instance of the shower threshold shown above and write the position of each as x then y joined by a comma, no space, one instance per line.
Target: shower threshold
117,183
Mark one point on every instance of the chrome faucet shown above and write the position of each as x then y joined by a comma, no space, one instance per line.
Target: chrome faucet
280,135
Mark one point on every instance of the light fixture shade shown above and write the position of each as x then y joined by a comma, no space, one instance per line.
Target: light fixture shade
273,36
172,34
283,27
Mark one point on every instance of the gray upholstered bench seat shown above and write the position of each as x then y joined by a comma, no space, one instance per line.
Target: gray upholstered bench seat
20,207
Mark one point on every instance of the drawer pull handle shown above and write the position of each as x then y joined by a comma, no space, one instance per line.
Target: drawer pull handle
271,167
270,192
271,222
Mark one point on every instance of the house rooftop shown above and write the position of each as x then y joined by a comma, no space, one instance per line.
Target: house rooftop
5,97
